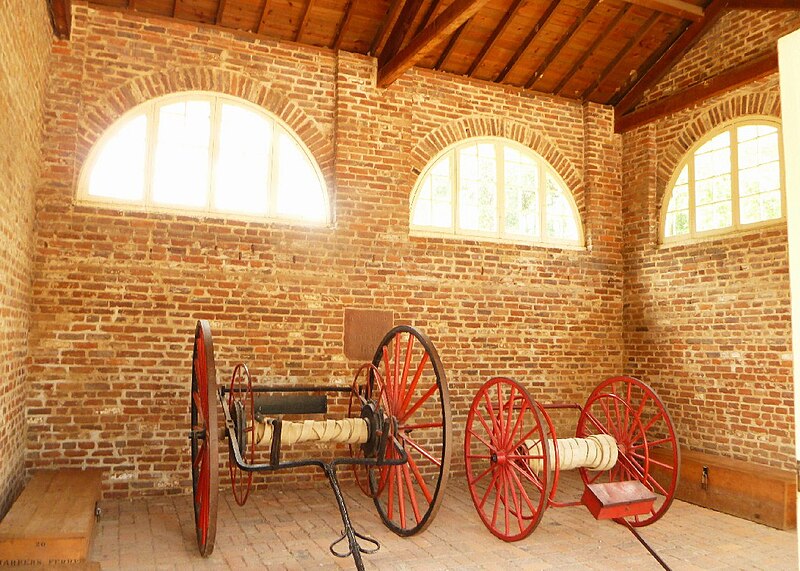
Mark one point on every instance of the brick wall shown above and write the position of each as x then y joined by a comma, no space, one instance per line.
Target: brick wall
736,38
116,294
708,324
25,33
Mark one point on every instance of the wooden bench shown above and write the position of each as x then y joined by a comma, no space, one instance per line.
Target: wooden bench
759,493
52,521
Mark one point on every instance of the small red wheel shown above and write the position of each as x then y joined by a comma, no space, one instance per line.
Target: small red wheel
508,460
408,496
367,386
205,468
632,413
242,407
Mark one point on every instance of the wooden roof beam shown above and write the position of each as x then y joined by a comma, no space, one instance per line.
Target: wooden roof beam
498,31
399,31
421,45
566,37
343,25
386,27
262,22
220,12
650,75
607,31
527,41
61,17
644,29
304,21
735,77
677,8
450,45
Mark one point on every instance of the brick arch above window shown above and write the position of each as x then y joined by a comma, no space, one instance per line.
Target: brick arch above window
484,126
101,115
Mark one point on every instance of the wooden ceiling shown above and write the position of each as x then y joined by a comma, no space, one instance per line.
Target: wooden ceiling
604,51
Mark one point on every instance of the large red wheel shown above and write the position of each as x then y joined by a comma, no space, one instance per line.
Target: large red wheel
205,469
632,413
415,388
242,406
508,461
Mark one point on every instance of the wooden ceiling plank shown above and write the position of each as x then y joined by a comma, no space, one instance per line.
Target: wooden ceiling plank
262,21
561,43
498,31
220,12
343,24
735,77
449,47
304,21
399,31
527,41
605,32
651,74
443,26
764,4
644,29
677,8
432,7
386,27
61,18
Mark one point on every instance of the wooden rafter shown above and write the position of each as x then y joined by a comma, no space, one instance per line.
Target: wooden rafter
498,31
432,7
448,49
677,8
740,75
262,21
650,75
443,26
61,17
131,5
220,12
606,32
644,29
345,22
566,37
527,41
399,31
304,21
765,4
386,27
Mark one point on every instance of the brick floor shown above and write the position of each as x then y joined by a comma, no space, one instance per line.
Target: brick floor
292,530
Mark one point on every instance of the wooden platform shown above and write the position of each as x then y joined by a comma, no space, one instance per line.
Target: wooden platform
52,521
750,491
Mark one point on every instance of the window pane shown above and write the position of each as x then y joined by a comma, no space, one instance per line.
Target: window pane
300,193
561,224
677,223
119,169
760,207
242,167
713,216
679,199
712,164
422,204
683,178
712,190
521,194
478,188
759,179
181,165
721,141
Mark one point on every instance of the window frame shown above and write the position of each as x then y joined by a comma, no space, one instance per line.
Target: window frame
150,109
687,160
500,235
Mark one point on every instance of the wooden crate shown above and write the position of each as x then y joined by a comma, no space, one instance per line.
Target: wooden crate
757,493
52,521
618,499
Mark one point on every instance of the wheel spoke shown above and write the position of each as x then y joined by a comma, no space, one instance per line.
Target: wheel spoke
489,431
401,501
530,477
637,417
523,493
390,506
406,365
414,381
505,501
597,424
420,480
524,438
652,421
481,475
519,420
420,402
410,427
412,496
492,482
497,500
502,432
397,389
650,445
489,446
515,498
421,450
490,409
509,435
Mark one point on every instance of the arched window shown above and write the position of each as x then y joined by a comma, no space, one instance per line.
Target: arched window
732,179
205,153
495,189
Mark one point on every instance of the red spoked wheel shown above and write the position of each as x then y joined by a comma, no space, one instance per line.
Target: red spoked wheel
367,386
415,388
242,407
205,468
632,413
509,471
